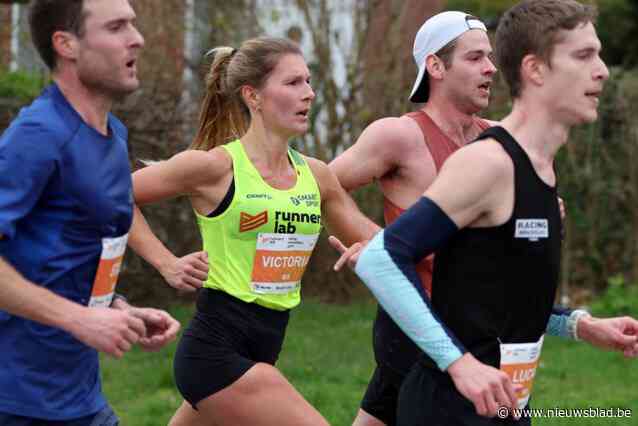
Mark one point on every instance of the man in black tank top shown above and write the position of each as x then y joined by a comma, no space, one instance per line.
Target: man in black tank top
493,218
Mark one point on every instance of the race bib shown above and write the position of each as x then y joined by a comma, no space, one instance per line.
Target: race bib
280,261
107,271
519,361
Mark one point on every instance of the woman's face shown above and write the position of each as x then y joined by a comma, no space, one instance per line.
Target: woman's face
286,97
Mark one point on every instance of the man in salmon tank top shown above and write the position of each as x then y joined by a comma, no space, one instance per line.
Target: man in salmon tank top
455,71
493,218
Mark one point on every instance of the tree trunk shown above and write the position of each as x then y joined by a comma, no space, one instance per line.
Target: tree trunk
389,66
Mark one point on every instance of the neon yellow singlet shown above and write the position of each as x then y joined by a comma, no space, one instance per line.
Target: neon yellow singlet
258,248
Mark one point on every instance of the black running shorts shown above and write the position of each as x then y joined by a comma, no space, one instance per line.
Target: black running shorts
380,399
225,338
428,397
395,354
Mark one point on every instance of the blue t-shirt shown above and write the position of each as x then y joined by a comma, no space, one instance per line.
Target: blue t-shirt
63,187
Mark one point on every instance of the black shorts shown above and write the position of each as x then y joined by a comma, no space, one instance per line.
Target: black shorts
395,354
428,397
380,399
225,338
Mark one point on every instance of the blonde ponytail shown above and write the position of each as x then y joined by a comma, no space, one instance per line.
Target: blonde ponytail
223,117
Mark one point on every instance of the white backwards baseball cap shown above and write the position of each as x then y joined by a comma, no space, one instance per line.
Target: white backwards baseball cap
433,35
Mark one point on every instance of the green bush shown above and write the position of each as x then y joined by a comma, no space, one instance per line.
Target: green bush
619,298
20,85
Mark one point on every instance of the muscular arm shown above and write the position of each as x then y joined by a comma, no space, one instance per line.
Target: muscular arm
18,296
146,244
340,213
187,173
380,149
106,330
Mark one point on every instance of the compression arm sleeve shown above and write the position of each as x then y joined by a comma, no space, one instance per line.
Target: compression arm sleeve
557,324
387,266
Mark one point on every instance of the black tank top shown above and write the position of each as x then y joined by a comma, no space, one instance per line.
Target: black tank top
497,284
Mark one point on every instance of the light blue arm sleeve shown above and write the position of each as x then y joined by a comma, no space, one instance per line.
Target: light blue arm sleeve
399,297
557,325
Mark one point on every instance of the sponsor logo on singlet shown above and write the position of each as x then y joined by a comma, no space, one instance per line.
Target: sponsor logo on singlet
248,222
532,229
311,200
258,196
285,221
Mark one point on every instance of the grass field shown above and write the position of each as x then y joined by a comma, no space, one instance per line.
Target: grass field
328,357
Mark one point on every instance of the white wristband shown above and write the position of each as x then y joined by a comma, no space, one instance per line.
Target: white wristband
572,322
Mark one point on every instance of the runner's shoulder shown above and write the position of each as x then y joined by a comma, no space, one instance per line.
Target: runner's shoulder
203,165
485,157
393,133
324,176
319,168
39,131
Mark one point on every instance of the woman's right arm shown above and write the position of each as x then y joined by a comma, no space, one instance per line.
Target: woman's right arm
190,173
187,173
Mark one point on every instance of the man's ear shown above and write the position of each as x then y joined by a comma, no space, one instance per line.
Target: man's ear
434,66
533,69
65,44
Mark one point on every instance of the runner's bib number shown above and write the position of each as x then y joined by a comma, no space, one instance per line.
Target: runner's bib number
280,261
520,361
108,271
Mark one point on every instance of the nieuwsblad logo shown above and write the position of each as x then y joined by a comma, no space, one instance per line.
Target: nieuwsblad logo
248,222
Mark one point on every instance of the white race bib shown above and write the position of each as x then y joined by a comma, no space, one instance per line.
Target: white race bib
520,361
107,271
280,261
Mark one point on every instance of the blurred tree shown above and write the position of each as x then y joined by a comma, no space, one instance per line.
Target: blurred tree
388,64
155,123
618,30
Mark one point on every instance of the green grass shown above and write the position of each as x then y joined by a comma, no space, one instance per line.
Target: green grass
328,358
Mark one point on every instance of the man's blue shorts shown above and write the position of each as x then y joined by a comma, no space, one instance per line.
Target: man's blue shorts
106,417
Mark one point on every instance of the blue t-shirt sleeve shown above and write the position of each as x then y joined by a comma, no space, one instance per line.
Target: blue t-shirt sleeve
28,157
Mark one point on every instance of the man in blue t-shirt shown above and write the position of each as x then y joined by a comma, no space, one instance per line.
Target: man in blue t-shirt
65,211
